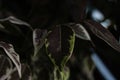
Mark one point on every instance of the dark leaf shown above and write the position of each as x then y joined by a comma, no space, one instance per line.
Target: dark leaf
5,67
102,33
80,31
8,48
2,29
60,44
25,71
10,29
1,26
38,39
14,20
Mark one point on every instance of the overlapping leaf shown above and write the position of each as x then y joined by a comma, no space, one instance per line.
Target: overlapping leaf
38,39
102,33
9,50
60,44
80,31
25,71
5,67
14,20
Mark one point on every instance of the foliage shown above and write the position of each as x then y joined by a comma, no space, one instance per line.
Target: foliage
50,40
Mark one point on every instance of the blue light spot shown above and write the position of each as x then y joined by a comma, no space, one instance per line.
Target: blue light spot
97,15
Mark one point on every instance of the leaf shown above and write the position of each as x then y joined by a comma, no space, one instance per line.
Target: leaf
38,39
8,48
5,67
2,29
1,26
10,29
60,44
102,33
64,74
14,20
80,31
25,71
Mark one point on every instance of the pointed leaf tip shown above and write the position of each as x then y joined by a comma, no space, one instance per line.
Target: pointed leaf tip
17,21
102,33
80,31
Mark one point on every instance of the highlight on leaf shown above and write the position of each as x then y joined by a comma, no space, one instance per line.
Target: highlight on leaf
15,20
80,31
25,71
102,33
9,50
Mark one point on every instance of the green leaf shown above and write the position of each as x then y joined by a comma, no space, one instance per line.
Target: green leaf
80,31
38,39
9,50
64,74
60,44
102,33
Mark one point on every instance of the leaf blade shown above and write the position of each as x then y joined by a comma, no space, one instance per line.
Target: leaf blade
8,48
60,44
15,20
80,31
5,67
102,33
38,39
26,73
